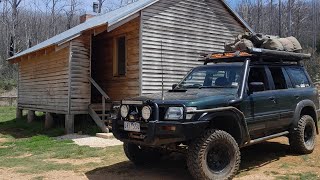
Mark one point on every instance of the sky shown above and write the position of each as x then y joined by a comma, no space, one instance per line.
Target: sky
86,5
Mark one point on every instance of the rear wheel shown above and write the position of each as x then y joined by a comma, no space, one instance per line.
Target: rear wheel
215,155
303,138
141,155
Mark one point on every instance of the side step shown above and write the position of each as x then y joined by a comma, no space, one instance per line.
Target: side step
255,141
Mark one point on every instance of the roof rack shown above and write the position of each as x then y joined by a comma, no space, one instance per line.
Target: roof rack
255,54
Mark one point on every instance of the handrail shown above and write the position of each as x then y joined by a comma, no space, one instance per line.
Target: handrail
99,88
104,97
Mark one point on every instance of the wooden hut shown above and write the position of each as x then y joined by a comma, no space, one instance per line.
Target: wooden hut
121,54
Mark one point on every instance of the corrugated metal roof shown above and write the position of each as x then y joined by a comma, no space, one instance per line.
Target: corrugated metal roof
109,18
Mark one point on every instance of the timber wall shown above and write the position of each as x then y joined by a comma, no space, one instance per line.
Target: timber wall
80,87
43,82
186,28
117,88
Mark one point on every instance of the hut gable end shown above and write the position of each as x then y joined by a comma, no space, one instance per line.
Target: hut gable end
174,33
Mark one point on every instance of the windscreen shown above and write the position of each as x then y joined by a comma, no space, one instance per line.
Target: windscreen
214,76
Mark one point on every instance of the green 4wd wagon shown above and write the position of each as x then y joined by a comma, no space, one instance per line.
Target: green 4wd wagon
234,100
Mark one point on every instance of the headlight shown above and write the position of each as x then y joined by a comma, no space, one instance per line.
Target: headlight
124,111
174,113
146,112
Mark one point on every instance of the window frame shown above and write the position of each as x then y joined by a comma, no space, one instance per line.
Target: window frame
285,75
268,78
115,56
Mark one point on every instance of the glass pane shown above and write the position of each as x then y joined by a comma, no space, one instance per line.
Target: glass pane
298,77
228,76
121,56
278,78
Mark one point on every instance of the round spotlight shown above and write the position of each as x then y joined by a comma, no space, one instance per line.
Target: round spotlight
146,112
124,110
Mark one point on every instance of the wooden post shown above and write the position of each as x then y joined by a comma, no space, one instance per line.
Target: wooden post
31,116
19,113
48,123
11,101
69,124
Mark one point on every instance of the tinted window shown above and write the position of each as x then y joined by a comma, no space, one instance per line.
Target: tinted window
298,77
278,78
258,75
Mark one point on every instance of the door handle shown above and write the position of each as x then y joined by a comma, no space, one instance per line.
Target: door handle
297,96
273,99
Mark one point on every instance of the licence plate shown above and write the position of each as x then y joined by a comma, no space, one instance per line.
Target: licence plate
131,126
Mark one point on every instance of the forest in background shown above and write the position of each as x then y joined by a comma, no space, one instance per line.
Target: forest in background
25,23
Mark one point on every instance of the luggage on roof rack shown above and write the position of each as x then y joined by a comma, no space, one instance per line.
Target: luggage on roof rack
252,40
255,54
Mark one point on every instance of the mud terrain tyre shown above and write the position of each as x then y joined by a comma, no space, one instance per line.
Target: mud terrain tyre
303,137
140,155
215,155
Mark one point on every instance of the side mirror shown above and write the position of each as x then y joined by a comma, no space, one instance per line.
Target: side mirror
256,87
174,86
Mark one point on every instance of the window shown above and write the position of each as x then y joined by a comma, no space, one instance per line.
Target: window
298,77
258,75
217,76
120,54
278,78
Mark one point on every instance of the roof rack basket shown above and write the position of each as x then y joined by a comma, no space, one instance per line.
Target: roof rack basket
255,54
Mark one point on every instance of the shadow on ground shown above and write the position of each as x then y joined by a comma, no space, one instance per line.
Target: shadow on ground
19,128
172,169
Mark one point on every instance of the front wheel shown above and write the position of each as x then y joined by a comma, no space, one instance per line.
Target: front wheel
303,137
141,155
215,155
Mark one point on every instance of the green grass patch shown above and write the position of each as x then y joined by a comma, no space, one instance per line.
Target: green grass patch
301,176
285,165
305,157
29,148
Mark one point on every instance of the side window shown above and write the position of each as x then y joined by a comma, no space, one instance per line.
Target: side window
119,62
278,78
298,77
258,77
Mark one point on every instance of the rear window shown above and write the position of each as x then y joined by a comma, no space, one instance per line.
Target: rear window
298,77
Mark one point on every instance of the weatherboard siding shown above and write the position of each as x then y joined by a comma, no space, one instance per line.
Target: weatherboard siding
43,82
80,87
185,28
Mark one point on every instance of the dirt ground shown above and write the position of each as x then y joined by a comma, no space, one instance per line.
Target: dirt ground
269,160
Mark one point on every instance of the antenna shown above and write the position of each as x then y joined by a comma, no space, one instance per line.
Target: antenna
162,74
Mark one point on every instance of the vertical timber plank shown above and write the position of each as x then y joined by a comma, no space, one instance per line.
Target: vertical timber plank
48,121
31,116
69,79
19,113
69,124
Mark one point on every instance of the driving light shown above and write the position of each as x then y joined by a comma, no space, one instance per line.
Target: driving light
124,111
146,112
174,113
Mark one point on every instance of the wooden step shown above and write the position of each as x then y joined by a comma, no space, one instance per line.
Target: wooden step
105,135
